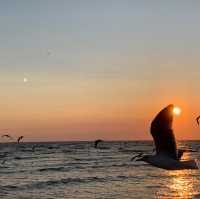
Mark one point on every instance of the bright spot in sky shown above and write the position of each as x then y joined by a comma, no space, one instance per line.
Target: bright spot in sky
177,111
25,80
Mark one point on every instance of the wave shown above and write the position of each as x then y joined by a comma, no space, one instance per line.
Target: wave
53,169
60,182
25,157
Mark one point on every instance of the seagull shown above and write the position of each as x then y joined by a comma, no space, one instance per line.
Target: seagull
97,142
167,155
48,52
19,138
8,136
33,147
197,119
3,162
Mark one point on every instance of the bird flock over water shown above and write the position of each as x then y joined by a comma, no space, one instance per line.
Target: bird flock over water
11,138
5,154
165,155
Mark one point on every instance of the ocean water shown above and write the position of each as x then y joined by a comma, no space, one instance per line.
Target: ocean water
76,170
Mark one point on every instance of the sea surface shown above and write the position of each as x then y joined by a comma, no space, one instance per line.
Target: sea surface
77,170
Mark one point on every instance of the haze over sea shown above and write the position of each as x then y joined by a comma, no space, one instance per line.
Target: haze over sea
77,170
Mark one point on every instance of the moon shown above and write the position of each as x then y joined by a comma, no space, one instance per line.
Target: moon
25,80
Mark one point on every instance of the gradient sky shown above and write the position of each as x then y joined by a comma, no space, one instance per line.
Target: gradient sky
98,69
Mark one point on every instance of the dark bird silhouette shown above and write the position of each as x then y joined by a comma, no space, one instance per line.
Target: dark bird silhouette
97,142
19,138
197,119
4,161
8,136
167,155
33,148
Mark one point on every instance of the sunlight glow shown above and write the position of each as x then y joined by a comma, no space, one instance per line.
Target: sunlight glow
177,111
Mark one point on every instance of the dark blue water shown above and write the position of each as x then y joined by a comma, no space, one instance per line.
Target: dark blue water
78,170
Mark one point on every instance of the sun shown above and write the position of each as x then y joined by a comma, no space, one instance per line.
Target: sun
177,111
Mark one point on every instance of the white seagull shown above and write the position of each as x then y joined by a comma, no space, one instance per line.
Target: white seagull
167,155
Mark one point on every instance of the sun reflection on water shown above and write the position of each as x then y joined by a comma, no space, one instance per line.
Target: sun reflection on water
180,183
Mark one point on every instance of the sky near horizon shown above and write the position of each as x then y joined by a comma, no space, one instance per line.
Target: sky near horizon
81,70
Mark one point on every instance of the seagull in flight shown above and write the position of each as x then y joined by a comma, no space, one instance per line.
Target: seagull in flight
8,136
197,119
33,147
19,138
167,155
3,162
97,142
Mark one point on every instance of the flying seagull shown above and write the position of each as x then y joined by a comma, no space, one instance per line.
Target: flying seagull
197,119
19,138
3,162
97,142
167,155
33,147
8,136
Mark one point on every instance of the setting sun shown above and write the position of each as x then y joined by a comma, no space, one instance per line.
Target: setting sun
177,111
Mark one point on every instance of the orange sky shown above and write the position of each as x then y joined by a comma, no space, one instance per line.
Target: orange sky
82,109
98,70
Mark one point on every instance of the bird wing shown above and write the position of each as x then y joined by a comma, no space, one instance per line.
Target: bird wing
5,135
19,138
162,132
96,142
197,119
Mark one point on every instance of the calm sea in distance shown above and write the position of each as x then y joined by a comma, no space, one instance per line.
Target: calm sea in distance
77,170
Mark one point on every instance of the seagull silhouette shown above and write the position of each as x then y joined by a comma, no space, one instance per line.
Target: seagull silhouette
33,147
167,155
197,119
97,142
19,138
3,162
8,136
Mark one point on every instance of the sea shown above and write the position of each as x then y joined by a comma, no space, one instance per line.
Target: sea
78,170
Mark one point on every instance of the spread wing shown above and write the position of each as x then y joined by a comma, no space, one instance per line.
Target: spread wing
97,142
162,132
197,119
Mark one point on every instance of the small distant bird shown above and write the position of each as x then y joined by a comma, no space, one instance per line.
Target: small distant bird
97,142
3,162
48,52
19,138
33,147
197,119
8,136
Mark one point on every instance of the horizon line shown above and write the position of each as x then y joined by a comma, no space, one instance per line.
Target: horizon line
137,140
